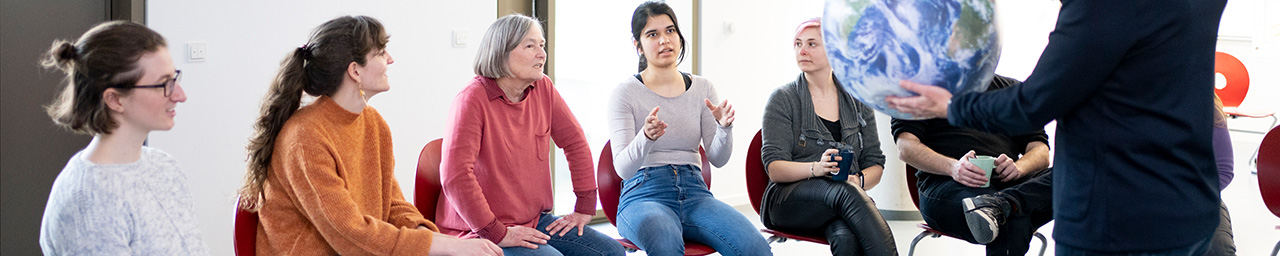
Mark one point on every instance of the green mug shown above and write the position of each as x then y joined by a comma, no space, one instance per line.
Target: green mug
988,164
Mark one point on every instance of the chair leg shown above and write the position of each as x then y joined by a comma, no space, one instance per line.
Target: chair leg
1276,249
912,251
1044,243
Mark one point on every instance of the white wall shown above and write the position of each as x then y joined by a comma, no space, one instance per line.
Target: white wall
246,42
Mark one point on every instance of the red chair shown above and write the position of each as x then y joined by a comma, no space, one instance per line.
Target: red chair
426,184
609,187
757,180
934,233
246,232
1236,89
1269,174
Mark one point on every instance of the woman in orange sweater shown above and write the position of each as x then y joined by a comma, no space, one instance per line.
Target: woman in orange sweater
322,176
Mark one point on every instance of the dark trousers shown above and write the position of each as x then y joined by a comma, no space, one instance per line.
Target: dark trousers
843,213
1196,249
1031,199
1223,243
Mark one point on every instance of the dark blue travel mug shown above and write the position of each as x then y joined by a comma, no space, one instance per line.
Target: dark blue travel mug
846,159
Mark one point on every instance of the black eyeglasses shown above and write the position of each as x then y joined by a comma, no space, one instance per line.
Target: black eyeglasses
168,85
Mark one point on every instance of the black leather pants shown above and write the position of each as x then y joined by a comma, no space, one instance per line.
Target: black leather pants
841,212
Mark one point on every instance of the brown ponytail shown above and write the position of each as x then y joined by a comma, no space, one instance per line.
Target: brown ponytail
317,69
105,56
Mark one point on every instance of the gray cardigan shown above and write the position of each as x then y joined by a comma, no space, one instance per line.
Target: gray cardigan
789,117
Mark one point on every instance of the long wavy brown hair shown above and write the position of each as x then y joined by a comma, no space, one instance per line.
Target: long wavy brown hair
316,69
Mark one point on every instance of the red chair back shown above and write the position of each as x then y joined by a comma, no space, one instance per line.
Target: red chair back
246,232
1269,170
1237,79
426,184
911,185
609,185
757,178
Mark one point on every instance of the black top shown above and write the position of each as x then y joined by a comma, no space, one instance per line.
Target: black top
954,142
1130,84
688,81
833,127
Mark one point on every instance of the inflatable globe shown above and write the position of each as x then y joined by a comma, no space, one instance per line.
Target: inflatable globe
874,44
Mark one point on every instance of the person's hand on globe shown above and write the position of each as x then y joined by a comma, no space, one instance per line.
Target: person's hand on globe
722,113
931,102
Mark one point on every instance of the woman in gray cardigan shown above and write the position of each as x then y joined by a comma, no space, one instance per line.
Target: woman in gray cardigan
800,154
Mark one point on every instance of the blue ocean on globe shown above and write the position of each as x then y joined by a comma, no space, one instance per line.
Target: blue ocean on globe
874,44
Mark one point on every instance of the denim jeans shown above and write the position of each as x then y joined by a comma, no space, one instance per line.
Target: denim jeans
1195,249
664,205
842,213
1032,197
590,243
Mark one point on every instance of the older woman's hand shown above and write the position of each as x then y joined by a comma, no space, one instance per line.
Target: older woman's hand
931,102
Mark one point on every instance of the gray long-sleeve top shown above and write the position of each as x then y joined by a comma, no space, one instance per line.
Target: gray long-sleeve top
689,123
139,208
789,115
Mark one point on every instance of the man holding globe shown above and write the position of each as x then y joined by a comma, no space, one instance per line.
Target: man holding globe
1131,86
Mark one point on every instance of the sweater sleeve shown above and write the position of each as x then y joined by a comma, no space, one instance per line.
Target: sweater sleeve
308,168
568,135
457,166
775,133
1223,154
1063,79
402,213
871,154
628,143
716,138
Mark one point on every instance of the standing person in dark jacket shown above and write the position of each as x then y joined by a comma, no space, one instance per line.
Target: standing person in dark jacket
1131,86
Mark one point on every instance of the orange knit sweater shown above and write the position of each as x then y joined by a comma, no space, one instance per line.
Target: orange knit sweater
332,190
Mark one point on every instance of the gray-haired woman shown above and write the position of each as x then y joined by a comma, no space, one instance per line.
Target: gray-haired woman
495,165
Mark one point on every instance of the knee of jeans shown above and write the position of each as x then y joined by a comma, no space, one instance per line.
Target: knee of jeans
543,250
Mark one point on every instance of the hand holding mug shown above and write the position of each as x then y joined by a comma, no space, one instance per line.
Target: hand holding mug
1007,169
967,173
827,164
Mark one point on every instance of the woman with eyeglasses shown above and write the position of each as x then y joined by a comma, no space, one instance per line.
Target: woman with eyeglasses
117,196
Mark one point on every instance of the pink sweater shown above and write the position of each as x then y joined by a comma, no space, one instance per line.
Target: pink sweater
495,169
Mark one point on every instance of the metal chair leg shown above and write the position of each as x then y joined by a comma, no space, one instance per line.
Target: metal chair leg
1044,243
1276,249
922,234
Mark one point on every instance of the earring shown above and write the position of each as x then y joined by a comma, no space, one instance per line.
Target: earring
360,87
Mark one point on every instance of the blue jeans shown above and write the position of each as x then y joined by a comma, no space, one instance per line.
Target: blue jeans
590,243
664,205
1196,249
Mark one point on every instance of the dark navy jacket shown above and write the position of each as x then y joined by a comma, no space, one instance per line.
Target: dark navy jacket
1131,85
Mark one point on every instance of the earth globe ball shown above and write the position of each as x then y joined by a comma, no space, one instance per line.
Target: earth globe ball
874,44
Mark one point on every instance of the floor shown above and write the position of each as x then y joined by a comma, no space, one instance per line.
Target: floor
1254,226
